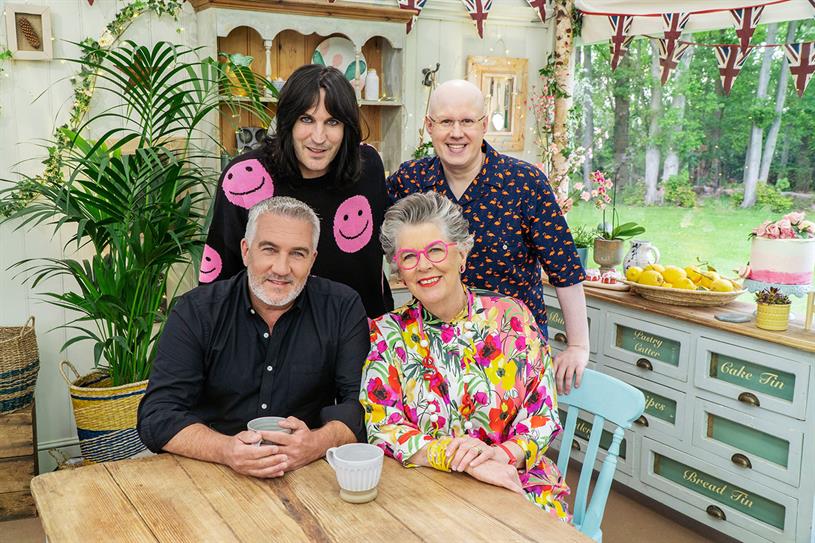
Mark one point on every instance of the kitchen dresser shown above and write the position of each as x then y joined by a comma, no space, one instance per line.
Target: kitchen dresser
728,433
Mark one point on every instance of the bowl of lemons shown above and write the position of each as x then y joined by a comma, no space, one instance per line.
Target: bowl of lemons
688,286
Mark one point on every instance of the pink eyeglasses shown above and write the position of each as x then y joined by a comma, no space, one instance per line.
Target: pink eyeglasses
435,252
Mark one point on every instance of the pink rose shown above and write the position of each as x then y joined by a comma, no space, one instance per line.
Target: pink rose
787,233
784,224
808,227
773,231
761,230
795,217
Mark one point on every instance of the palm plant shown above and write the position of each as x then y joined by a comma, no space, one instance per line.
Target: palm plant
135,195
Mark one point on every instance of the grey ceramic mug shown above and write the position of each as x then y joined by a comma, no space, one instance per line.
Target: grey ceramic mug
267,424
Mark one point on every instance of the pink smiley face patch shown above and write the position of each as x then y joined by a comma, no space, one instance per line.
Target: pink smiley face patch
353,224
210,265
247,183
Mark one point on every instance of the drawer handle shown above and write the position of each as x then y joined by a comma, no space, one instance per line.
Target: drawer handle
561,337
715,512
741,460
642,421
575,445
645,364
750,399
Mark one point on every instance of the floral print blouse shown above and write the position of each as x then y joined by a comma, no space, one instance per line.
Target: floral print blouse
487,374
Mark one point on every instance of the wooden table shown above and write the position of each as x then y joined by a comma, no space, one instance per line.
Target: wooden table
171,498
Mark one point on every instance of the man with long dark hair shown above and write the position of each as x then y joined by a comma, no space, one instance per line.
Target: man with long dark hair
315,156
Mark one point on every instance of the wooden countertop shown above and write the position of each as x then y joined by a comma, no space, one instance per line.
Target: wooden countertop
795,336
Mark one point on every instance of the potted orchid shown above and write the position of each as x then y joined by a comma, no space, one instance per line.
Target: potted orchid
608,246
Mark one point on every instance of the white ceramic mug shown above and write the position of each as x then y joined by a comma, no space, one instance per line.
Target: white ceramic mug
358,467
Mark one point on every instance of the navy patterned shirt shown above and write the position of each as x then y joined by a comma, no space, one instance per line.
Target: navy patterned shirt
518,226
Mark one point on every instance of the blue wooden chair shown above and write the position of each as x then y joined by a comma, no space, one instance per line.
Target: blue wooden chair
608,399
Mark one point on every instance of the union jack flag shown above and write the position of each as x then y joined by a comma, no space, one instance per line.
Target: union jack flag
669,58
746,21
730,58
411,5
802,63
478,10
621,26
674,24
540,7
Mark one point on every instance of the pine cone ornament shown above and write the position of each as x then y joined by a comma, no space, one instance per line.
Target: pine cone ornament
28,31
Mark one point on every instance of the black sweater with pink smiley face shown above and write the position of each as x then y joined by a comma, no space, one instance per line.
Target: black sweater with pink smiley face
348,252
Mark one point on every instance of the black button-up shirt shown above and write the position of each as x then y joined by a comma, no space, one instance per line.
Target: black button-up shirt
218,364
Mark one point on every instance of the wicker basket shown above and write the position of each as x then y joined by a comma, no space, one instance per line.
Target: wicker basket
105,415
19,365
678,296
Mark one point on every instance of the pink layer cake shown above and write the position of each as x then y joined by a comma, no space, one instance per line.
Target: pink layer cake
783,261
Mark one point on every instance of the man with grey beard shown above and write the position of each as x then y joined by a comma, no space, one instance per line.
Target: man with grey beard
271,341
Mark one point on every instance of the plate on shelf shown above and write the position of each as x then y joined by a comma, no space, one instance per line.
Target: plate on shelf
339,52
607,286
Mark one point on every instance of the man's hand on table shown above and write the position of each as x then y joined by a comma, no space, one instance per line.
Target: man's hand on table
570,364
302,446
245,456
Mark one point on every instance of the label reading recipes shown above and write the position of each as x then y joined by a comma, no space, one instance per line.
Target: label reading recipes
660,406
749,503
748,375
648,345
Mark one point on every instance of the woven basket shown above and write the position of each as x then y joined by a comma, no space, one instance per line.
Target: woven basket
678,296
105,415
19,364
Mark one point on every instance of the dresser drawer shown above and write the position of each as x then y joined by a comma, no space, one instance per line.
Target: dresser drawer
625,460
760,381
749,445
646,348
665,408
557,325
723,500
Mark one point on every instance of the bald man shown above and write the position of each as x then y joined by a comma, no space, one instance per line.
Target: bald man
518,227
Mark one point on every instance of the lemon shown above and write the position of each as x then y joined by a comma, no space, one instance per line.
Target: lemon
633,273
655,267
685,284
721,285
674,274
693,273
650,277
736,286
667,285
707,278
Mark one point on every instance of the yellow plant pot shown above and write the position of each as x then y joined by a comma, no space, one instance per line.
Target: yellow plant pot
773,316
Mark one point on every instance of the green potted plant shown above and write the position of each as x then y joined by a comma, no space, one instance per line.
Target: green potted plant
583,237
773,309
135,196
608,245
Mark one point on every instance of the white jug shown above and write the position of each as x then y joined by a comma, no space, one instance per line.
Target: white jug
640,254
372,85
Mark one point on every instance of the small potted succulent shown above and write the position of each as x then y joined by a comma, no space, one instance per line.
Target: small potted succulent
583,237
773,311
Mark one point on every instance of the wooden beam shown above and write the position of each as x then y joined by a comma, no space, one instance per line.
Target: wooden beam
318,9
563,77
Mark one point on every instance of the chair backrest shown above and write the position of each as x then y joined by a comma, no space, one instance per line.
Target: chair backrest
607,399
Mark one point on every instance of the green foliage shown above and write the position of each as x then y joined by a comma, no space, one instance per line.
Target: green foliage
782,184
678,190
423,150
633,194
768,196
139,210
583,236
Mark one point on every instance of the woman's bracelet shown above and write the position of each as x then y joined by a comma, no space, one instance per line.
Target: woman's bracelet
437,454
511,456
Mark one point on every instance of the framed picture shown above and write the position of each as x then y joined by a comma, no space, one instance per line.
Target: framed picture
503,82
29,32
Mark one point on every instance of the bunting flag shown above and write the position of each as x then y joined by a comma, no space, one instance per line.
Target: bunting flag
540,8
621,26
669,58
674,24
478,10
746,21
411,5
802,63
730,58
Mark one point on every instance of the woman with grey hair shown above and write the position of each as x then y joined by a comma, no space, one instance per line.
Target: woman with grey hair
459,379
